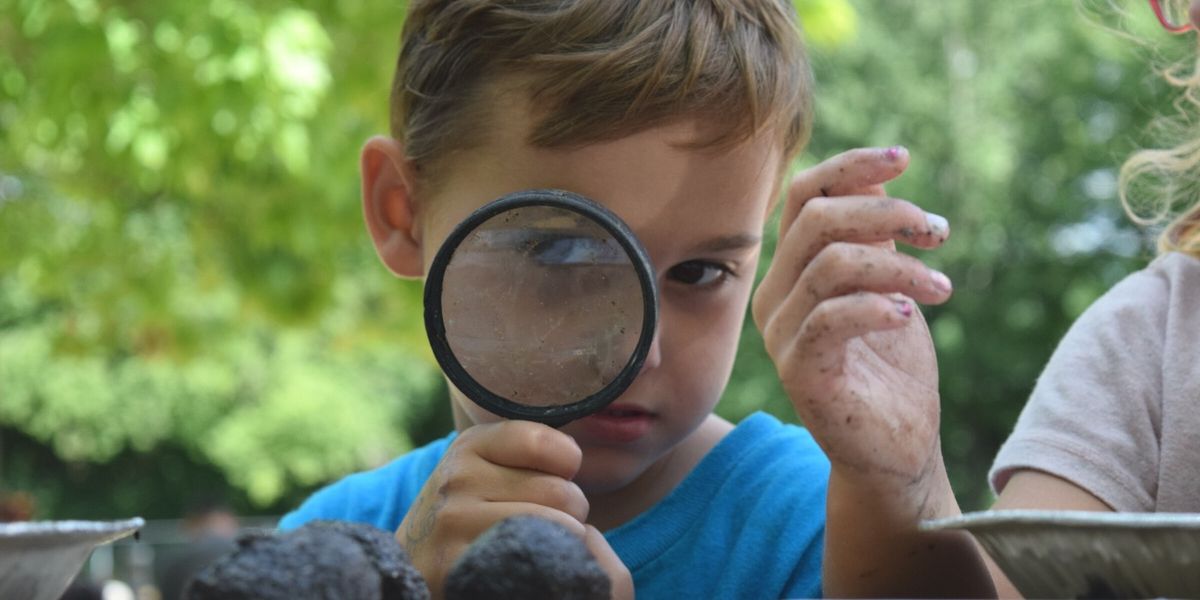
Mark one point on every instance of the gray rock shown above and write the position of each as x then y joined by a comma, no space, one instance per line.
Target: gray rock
323,560
527,558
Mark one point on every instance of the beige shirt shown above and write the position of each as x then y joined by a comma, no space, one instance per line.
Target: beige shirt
1117,409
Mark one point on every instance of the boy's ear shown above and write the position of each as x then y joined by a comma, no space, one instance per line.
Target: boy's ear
389,207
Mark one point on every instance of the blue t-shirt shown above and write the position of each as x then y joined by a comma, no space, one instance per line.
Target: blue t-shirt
747,522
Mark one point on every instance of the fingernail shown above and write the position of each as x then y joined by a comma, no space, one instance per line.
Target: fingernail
938,225
940,281
894,152
903,307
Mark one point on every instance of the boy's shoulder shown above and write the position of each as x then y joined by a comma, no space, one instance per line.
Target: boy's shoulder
760,465
765,449
757,498
767,456
763,469
379,497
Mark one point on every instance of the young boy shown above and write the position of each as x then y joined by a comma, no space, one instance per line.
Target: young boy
680,116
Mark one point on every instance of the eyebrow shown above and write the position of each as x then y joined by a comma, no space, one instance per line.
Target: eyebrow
724,243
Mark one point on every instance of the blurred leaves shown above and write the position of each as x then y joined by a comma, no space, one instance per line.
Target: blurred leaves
182,259
827,23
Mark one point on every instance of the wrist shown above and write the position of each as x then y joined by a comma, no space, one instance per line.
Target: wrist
888,498
873,546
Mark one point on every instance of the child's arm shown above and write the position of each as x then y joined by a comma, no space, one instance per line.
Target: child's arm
1030,489
492,472
839,320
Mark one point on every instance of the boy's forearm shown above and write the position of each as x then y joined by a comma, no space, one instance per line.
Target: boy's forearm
873,547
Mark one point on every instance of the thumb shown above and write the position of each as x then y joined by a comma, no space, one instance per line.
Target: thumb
618,573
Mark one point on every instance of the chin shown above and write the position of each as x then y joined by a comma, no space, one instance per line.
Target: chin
605,471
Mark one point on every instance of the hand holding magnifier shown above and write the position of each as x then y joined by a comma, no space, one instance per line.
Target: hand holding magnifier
541,306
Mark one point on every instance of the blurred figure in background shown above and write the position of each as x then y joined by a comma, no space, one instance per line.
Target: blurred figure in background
210,528
15,506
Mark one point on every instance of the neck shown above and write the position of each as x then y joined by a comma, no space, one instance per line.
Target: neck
614,508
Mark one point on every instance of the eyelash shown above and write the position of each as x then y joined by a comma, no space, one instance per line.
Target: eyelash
723,275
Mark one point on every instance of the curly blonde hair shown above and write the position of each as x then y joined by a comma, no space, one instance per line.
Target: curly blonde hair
1162,185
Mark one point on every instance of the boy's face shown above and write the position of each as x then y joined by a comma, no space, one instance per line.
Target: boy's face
699,213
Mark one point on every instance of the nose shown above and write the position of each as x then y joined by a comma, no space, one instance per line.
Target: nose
654,355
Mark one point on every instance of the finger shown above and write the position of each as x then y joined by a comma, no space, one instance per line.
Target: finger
829,278
465,521
618,573
862,219
818,350
852,219
491,513
843,269
521,485
528,445
862,170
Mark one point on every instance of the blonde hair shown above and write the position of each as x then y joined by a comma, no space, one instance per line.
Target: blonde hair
601,69
1162,185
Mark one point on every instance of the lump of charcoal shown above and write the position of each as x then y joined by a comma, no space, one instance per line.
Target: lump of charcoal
323,560
528,558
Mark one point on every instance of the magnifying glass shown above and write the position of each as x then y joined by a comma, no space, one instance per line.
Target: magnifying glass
541,306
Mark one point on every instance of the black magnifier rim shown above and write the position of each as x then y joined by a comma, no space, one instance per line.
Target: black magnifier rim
435,327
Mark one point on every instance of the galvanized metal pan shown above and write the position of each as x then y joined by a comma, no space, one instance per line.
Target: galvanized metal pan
38,559
1080,554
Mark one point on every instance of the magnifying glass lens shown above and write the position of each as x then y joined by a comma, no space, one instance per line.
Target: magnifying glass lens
542,306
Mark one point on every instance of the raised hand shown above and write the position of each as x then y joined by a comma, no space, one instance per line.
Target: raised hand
838,313
838,316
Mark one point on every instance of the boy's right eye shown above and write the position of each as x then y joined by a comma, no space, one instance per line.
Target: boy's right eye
567,251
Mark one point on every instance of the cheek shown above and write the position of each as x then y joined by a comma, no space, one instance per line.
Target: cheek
706,344
723,337
474,413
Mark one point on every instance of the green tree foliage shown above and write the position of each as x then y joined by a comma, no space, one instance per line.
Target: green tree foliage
183,262
188,297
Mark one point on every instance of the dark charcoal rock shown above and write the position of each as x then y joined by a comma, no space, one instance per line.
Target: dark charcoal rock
527,558
323,560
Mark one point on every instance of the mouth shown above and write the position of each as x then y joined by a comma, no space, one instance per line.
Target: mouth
618,423
618,411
